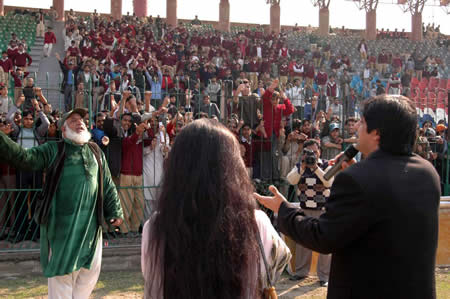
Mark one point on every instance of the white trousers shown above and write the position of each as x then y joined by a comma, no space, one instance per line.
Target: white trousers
78,284
48,49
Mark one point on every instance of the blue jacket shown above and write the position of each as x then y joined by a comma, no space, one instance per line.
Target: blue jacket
155,86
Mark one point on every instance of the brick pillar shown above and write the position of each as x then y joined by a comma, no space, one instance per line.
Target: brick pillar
324,21
2,11
224,15
371,25
58,5
275,25
171,13
416,27
116,9
140,8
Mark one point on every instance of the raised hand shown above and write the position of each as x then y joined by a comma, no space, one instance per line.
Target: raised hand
271,202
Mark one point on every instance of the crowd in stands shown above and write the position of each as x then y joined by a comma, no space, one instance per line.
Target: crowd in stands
143,81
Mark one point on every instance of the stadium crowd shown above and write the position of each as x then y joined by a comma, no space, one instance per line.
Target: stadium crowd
142,81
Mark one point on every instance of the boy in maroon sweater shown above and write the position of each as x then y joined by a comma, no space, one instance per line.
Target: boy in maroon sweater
132,200
49,40
5,67
18,77
22,59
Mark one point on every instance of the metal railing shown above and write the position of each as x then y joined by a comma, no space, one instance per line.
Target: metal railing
19,190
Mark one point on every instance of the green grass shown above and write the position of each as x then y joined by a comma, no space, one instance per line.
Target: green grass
129,284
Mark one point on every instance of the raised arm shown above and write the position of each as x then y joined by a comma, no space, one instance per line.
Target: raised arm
36,158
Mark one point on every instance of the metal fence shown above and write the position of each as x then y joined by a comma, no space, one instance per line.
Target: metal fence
20,190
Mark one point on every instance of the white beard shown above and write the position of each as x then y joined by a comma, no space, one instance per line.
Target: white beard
78,138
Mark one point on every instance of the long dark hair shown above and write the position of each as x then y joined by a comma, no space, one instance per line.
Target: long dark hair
204,226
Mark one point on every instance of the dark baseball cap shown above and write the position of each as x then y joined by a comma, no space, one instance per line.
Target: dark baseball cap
80,111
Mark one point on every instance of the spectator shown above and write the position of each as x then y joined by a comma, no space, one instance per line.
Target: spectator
40,28
22,59
363,49
27,136
5,101
379,88
312,192
18,77
209,108
382,62
332,144
131,171
154,158
213,90
6,66
394,83
49,40
70,72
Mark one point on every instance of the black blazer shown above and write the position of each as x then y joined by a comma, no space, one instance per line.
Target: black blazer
380,224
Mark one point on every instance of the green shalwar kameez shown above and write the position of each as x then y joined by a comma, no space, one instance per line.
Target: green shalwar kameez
72,231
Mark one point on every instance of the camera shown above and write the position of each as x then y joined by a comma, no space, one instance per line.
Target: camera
309,157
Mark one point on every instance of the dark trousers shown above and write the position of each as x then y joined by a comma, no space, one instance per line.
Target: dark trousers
68,95
25,205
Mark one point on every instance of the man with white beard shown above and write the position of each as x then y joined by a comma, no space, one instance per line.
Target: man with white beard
71,235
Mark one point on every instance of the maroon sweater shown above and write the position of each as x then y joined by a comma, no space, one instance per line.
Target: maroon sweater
6,64
132,153
321,78
20,59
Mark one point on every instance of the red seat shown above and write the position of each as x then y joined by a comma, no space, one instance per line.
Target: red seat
422,93
441,97
415,81
434,82
431,97
423,85
442,83
448,84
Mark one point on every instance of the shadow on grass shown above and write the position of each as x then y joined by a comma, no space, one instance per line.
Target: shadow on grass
130,284
23,287
119,282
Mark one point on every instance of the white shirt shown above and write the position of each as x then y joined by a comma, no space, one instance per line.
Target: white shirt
296,96
259,52
5,104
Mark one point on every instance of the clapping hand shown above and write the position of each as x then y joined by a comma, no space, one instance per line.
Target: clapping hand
105,140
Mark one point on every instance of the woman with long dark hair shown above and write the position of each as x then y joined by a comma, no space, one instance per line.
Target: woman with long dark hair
202,241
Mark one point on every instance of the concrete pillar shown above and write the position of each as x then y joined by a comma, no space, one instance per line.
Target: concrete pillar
324,21
371,25
140,8
416,27
171,13
2,10
116,9
58,5
275,24
224,15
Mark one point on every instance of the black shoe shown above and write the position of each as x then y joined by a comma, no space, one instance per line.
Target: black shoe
297,277
323,283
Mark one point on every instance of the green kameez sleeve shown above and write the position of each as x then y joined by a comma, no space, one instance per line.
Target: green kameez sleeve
36,158
111,202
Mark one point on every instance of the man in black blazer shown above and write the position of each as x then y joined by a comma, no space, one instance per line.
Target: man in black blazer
381,220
